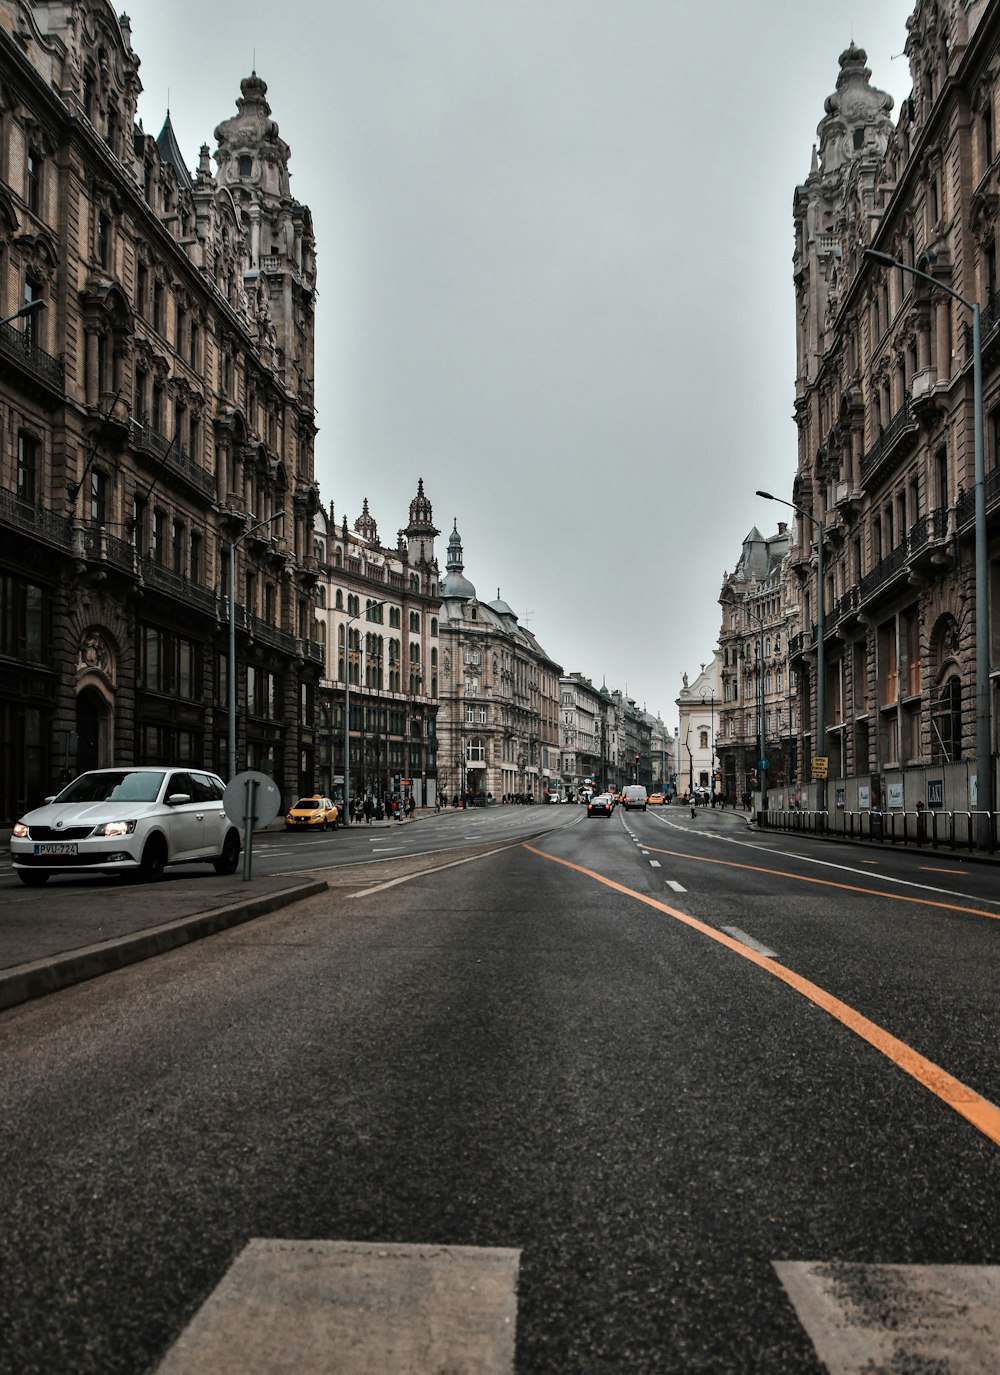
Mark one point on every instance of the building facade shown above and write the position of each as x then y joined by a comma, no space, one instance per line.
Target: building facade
588,753
886,418
498,702
378,613
758,713
698,704
158,422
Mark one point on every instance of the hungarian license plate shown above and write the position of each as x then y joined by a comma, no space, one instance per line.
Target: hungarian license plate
55,847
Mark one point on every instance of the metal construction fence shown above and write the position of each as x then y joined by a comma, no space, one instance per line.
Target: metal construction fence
940,830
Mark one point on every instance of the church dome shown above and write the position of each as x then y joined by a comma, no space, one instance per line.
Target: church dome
501,607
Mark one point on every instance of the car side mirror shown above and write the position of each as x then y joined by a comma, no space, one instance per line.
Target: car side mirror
178,799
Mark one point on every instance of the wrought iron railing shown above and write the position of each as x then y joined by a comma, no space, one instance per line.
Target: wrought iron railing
35,520
167,580
17,344
902,423
147,440
885,571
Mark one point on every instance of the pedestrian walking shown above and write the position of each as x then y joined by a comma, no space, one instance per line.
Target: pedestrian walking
369,809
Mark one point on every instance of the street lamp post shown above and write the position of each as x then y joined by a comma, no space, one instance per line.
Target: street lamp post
711,765
984,761
820,742
231,685
347,701
29,308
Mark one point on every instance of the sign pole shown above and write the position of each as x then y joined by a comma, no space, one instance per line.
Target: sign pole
248,819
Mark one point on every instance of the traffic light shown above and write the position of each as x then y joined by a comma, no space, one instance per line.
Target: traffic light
637,756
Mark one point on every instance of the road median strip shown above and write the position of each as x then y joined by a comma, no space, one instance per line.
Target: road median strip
23,982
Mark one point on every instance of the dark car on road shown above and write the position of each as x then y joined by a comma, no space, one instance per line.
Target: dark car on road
601,805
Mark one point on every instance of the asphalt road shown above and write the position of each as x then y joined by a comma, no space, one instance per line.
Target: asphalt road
656,1056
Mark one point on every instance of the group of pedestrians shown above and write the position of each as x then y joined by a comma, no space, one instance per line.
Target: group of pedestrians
368,808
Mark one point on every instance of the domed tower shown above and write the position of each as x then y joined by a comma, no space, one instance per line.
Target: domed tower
252,163
365,525
251,153
420,532
455,583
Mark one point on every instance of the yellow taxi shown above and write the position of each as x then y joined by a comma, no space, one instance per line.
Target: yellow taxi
656,799
311,813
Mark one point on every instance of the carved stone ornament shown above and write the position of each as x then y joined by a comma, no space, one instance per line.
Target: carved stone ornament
95,655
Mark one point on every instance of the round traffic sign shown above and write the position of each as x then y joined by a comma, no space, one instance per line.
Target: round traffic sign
252,793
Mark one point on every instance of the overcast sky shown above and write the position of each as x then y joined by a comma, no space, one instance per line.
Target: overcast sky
554,244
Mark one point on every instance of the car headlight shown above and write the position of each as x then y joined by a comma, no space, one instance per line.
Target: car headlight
20,831
115,828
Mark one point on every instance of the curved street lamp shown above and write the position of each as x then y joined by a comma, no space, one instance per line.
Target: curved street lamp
29,308
984,761
232,635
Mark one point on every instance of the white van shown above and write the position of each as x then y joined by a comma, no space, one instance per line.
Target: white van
635,796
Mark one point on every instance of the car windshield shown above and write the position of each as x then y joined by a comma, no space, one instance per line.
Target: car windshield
308,804
123,785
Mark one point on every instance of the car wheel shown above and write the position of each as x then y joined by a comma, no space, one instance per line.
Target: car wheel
154,859
32,877
230,856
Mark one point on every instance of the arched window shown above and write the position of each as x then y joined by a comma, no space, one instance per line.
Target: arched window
946,722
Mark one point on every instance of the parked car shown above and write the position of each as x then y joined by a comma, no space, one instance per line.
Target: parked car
635,797
601,805
315,813
129,821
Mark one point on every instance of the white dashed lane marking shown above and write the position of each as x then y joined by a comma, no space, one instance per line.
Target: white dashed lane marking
357,1308
677,887
864,1318
749,941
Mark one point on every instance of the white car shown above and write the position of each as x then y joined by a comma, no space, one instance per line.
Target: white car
127,821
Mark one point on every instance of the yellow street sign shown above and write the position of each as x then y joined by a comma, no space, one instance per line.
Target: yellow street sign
821,765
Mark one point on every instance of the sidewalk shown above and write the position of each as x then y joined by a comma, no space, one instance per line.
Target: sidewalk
97,925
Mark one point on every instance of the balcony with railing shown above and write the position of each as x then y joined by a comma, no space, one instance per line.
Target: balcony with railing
177,585
844,608
97,546
44,525
146,440
17,347
965,506
894,442
269,634
888,571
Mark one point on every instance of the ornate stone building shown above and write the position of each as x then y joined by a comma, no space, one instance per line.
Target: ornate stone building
884,405
378,613
498,717
758,715
698,706
156,404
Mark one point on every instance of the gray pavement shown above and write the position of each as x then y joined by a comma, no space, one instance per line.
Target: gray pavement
70,932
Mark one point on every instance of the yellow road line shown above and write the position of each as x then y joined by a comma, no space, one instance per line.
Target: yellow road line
979,1111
